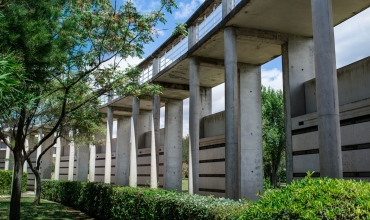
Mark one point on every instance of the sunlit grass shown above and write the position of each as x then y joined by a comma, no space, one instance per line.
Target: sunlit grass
47,210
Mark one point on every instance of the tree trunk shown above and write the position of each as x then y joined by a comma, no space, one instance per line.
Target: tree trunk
15,202
36,202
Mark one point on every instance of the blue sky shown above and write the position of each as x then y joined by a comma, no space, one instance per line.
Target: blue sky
352,42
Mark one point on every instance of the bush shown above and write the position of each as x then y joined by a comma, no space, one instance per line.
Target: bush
306,199
6,181
104,201
314,199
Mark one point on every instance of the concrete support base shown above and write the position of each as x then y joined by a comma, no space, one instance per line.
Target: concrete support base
123,151
173,145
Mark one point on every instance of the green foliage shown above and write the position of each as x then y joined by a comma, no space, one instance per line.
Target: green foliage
273,132
319,198
314,199
180,29
104,201
6,181
185,149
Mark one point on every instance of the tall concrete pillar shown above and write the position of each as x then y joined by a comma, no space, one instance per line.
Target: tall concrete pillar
26,146
326,90
155,66
57,159
298,67
133,156
7,156
154,153
108,147
194,116
231,114
71,163
123,151
135,117
82,166
92,162
227,6
193,35
173,145
250,138
46,160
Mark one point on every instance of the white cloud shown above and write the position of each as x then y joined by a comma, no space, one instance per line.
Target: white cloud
272,78
352,39
186,9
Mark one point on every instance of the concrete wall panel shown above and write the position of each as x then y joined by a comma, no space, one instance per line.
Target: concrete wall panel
210,154
212,168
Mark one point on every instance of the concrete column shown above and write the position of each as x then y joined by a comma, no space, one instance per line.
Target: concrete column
205,106
135,117
155,66
227,6
57,159
193,34
7,156
123,151
250,138
173,145
26,146
326,90
298,67
194,116
133,158
92,162
108,147
47,159
82,166
154,153
71,163
231,114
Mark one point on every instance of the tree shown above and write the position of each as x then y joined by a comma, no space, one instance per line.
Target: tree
273,134
185,149
70,51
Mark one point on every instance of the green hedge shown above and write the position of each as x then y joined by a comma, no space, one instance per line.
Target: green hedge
104,201
306,199
6,181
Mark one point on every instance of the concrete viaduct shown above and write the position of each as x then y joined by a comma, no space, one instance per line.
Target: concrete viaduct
228,42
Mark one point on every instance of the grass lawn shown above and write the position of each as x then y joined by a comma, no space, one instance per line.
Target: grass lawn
185,185
47,210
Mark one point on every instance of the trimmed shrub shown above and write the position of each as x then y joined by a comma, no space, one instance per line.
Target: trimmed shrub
306,199
316,198
104,201
6,181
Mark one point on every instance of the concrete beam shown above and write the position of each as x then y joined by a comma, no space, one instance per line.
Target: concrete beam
298,67
123,151
326,90
250,138
231,114
262,36
173,145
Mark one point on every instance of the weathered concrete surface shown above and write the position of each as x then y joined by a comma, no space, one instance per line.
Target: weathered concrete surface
173,145
71,160
155,136
298,67
82,164
231,113
108,146
92,162
214,124
57,158
326,89
250,138
123,151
